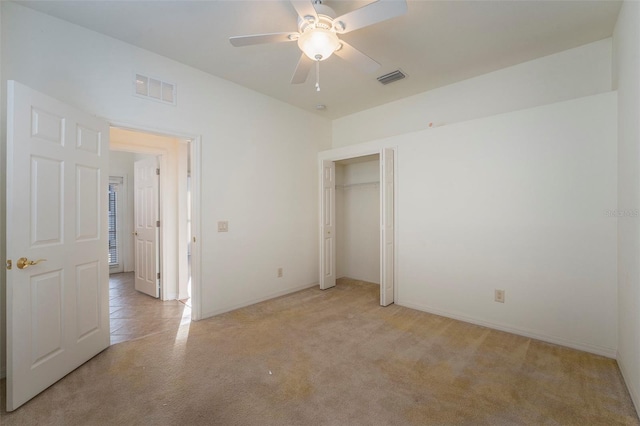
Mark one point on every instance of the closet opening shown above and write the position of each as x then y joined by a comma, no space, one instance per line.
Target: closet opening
357,220
357,196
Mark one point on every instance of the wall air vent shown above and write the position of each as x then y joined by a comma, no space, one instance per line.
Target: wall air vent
391,77
153,88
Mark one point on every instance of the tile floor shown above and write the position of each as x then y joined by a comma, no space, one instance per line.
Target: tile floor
134,315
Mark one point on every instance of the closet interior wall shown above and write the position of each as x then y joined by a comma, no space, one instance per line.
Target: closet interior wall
358,218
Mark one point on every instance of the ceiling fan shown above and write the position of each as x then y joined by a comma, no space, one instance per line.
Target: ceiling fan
318,30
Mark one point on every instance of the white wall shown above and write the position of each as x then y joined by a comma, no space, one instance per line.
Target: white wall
518,202
3,209
358,242
515,202
121,164
574,73
257,173
627,81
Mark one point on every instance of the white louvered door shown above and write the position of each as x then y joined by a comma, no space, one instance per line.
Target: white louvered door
387,244
327,226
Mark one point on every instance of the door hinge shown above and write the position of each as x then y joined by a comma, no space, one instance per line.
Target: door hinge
158,172
158,275
157,223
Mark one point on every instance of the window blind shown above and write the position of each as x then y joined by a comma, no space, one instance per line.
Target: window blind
113,224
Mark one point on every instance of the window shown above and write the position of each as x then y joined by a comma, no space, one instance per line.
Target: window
115,186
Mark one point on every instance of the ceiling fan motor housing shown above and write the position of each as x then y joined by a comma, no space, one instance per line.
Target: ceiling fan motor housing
325,19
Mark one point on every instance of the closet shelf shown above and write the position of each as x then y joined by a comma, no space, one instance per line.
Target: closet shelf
352,185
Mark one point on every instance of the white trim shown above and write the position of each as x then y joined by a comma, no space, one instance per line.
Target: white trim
594,349
172,296
152,130
633,392
196,252
260,299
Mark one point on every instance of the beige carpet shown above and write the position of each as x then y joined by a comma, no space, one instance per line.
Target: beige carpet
334,358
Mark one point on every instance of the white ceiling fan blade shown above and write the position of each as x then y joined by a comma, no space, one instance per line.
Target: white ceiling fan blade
302,70
305,8
357,58
248,40
370,14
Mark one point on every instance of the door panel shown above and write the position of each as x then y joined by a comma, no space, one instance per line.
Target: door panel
146,213
327,228
387,245
88,203
57,306
46,201
88,291
47,308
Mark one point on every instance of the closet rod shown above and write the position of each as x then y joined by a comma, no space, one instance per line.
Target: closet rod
357,184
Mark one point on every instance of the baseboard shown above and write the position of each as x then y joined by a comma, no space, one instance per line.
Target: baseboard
633,392
170,296
594,349
353,277
258,300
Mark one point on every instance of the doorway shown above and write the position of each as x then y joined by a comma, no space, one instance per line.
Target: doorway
134,214
176,233
357,197
332,234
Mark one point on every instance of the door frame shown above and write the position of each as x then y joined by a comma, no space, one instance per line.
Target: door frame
348,153
195,150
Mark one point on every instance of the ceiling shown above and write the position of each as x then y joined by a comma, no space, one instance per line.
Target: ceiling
435,44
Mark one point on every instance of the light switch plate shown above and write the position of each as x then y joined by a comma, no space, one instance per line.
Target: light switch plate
223,226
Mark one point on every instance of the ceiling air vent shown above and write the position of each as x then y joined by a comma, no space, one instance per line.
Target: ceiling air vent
391,77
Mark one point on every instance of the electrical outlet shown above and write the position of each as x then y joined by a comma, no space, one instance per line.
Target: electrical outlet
223,226
279,272
499,296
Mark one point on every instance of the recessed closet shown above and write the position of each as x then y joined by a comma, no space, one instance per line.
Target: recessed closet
357,215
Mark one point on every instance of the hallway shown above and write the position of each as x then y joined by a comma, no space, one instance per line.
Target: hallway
134,315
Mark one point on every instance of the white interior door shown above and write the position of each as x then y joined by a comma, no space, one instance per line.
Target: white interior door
386,227
327,226
57,262
147,226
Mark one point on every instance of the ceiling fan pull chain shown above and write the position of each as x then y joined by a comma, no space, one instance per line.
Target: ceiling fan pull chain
318,57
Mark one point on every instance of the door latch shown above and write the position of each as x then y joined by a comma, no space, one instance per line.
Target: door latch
9,264
24,263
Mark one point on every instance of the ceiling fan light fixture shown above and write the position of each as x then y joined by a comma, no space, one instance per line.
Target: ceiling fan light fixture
318,43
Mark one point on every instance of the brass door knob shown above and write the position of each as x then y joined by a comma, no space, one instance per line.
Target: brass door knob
24,263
